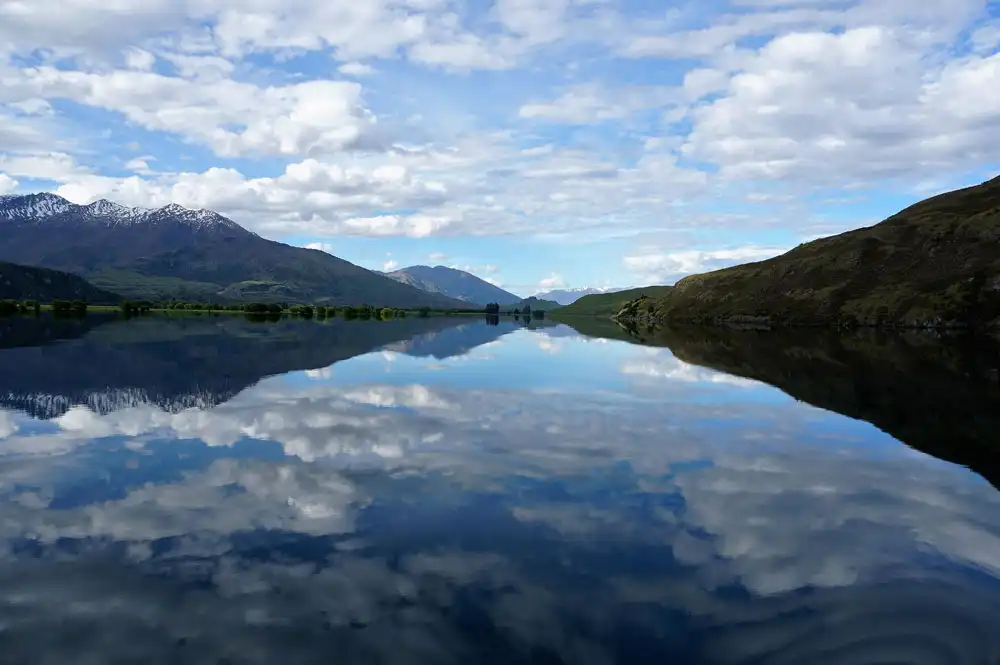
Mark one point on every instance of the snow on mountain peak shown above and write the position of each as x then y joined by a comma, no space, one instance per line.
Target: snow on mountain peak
38,208
33,206
105,208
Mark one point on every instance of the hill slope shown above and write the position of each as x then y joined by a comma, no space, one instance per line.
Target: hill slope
952,412
19,282
452,283
606,304
192,254
935,263
534,303
569,296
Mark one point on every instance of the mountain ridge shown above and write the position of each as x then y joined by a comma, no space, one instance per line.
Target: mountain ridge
19,282
175,252
452,282
932,264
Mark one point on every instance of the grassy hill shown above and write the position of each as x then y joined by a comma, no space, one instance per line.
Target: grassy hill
19,282
534,303
935,263
607,304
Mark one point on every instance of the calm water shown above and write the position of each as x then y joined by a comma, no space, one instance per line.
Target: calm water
210,490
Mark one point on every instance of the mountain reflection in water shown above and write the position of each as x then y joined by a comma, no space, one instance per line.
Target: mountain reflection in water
209,490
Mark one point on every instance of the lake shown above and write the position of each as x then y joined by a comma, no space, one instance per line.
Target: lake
214,490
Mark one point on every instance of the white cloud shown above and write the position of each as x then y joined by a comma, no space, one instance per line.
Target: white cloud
803,94
592,103
51,166
321,246
140,164
882,111
356,69
437,257
553,281
654,267
7,184
139,59
33,106
232,118
390,265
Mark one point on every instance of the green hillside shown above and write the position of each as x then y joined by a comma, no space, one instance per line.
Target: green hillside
534,303
608,304
21,283
934,264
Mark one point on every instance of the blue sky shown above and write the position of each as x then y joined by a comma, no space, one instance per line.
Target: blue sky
536,143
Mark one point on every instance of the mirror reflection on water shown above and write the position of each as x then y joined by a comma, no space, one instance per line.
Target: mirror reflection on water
213,490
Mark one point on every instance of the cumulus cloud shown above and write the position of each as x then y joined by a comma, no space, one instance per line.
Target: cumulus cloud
896,114
654,267
356,69
741,100
321,246
232,118
7,184
553,281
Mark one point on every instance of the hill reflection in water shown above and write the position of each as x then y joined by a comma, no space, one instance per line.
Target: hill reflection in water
537,496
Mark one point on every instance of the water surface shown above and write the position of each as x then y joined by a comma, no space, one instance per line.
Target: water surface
211,490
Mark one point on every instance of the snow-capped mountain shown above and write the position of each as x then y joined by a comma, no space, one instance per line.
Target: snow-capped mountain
32,207
175,252
570,296
47,209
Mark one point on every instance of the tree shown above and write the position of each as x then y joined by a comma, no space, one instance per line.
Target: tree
350,312
493,308
424,312
386,313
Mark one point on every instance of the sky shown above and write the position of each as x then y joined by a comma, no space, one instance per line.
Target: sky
536,143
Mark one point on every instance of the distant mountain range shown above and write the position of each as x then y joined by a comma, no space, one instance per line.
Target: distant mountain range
173,252
19,282
608,304
178,363
453,283
570,296
933,264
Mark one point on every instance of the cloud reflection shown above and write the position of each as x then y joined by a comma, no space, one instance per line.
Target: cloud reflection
555,523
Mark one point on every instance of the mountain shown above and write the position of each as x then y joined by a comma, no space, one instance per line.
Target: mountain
453,283
534,303
935,263
50,364
19,282
570,296
935,394
173,252
607,304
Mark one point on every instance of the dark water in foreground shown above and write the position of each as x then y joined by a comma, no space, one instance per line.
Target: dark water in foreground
210,490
